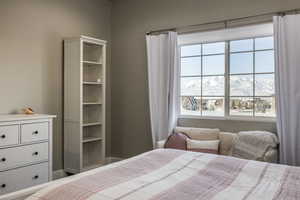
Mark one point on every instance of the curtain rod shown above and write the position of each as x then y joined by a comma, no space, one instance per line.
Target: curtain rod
281,13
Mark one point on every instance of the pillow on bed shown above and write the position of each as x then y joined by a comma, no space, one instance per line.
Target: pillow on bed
204,146
177,141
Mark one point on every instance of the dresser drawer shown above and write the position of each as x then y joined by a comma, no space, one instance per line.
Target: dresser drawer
20,156
21,178
34,132
9,135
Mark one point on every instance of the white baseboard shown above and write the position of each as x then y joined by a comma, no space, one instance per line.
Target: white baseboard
61,173
109,160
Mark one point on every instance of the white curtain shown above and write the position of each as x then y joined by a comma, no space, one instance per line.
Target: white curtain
163,83
287,81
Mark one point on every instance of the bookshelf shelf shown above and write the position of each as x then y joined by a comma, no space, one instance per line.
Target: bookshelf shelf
90,139
91,103
91,62
91,124
92,83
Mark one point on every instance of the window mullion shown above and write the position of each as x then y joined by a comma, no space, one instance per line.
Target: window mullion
253,77
227,60
201,99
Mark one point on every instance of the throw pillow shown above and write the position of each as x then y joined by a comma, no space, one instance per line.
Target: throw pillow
204,146
177,141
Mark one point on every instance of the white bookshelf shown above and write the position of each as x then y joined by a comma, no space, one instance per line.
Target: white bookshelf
84,103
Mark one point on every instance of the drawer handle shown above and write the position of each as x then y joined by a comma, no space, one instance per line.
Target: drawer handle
3,136
36,177
35,133
3,159
3,185
35,153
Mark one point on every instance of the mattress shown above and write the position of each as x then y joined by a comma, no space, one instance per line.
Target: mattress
167,174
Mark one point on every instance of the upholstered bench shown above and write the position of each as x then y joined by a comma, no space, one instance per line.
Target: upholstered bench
226,141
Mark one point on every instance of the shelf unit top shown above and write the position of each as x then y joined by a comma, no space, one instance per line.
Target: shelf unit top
87,39
92,40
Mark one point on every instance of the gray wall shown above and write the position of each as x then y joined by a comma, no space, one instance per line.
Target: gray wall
229,125
31,59
131,19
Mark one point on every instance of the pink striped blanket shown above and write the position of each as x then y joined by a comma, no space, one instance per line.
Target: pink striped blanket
167,174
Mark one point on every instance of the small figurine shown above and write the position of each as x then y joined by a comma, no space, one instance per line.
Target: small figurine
28,111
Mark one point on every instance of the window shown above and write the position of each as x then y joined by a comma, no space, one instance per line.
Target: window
202,79
251,74
229,78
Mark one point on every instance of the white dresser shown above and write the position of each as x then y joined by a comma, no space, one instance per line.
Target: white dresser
25,151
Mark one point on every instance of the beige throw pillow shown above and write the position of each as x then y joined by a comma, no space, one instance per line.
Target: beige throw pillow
204,146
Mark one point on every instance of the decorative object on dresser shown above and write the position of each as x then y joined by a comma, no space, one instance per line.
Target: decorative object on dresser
84,103
25,151
28,111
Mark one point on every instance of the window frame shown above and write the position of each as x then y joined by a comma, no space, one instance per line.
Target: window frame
227,75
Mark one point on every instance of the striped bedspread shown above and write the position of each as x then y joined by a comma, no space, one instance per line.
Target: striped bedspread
166,174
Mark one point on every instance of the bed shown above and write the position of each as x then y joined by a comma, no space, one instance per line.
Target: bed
166,174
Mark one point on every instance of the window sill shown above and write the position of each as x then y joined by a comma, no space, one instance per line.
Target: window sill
238,118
